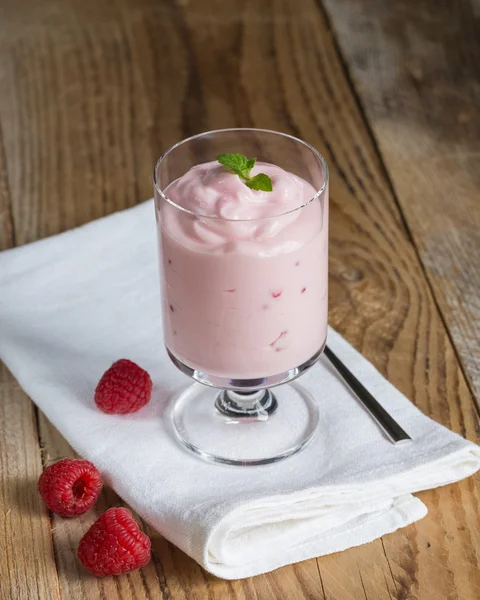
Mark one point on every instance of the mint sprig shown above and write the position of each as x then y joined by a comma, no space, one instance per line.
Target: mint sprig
260,182
241,166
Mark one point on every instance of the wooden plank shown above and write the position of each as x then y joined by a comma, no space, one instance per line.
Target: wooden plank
95,92
7,234
27,566
415,67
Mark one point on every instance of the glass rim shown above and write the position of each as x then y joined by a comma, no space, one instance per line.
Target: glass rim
314,151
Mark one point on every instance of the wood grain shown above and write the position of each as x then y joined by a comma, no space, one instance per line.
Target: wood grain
94,92
7,232
415,65
22,514
27,563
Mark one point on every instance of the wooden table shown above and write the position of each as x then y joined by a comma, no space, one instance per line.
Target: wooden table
92,91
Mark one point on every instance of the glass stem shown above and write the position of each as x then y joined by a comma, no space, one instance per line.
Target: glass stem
257,405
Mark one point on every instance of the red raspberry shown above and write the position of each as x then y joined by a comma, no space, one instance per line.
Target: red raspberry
124,388
70,487
114,544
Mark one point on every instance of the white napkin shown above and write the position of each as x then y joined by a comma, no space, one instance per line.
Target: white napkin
72,304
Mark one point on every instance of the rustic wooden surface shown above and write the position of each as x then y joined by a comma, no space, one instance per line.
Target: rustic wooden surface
415,65
92,92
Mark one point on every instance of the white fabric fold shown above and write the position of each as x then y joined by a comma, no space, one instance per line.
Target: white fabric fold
72,304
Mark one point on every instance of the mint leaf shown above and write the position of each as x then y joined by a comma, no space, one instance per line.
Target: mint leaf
235,162
241,166
260,182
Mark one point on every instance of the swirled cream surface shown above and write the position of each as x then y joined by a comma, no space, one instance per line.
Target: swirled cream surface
244,272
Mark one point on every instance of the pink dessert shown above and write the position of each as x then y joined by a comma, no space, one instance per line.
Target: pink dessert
244,277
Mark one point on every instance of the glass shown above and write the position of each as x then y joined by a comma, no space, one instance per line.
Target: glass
244,300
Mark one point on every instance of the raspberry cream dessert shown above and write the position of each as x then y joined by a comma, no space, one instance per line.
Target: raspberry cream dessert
244,270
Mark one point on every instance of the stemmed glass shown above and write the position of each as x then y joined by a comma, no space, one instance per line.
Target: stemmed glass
244,302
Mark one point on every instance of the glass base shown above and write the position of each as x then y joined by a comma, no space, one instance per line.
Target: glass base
245,428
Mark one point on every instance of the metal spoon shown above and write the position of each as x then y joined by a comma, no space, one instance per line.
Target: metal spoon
392,429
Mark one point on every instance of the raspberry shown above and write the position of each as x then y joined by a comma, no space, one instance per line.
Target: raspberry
124,388
70,487
114,544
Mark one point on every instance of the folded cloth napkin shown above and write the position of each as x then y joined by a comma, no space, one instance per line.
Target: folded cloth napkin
72,304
